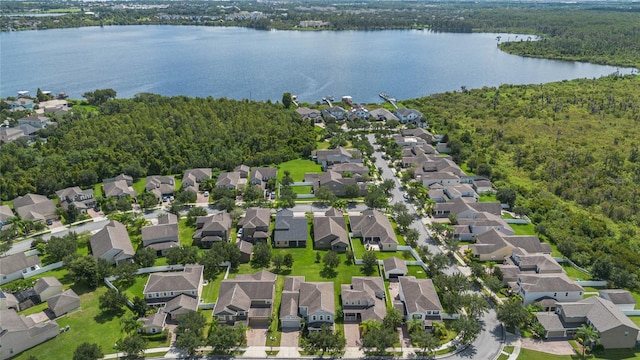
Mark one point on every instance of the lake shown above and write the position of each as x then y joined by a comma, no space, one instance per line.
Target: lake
241,63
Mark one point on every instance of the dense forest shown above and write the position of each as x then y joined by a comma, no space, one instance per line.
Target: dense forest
151,134
569,149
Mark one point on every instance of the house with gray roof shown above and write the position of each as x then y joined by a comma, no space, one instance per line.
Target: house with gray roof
494,245
615,330
421,133
80,199
330,232
382,114
5,214
557,286
243,170
247,298
163,236
394,267
290,230
47,287
127,178
9,134
64,303
463,209
621,298
160,185
363,299
212,229
8,301
334,113
443,178
309,114
118,188
355,169
420,300
193,177
290,317
181,305
335,182
230,180
37,121
162,287
112,243
16,266
255,225
246,248
154,323
408,116
34,207
261,175
311,301
19,333
339,155
375,229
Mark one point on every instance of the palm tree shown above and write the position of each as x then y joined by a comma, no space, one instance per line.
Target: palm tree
369,325
587,335
439,329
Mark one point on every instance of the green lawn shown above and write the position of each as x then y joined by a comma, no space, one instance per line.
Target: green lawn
416,271
322,145
298,168
139,185
185,233
210,291
359,250
523,229
97,190
620,354
302,189
574,273
635,319
137,287
488,197
636,295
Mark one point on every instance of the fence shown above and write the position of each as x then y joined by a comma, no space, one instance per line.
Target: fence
596,283
631,312
159,269
447,316
582,270
204,306
43,269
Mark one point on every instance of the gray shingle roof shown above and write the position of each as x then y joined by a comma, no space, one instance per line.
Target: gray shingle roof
332,227
44,283
255,217
373,223
34,207
181,302
618,296
317,296
187,280
548,283
237,294
290,227
17,262
118,188
114,235
63,303
395,264
419,294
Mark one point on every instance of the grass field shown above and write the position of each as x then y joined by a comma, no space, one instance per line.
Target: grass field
635,319
298,168
523,229
139,185
97,190
619,354
416,271
185,233
359,250
302,189
137,287
574,273
488,197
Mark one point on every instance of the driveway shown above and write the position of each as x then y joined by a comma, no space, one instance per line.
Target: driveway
556,347
289,338
352,334
257,336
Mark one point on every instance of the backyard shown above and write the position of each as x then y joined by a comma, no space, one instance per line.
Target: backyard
298,168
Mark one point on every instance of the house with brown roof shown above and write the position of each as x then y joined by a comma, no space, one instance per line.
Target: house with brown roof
193,177
364,299
355,169
335,182
290,230
243,171
212,229
5,214
309,114
9,134
421,133
166,287
247,298
420,300
255,225
615,330
80,199
394,267
375,229
119,188
260,176
163,236
34,207
494,245
112,243
8,301
623,299
557,286
16,266
466,210
47,287
330,231
339,155
63,303
128,179
246,248
311,301
230,180
19,333
160,185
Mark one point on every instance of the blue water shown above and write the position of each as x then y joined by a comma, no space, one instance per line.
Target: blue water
249,64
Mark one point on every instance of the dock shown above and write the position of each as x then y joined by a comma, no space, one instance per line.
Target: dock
388,99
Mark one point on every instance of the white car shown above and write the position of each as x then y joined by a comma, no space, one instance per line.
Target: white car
206,193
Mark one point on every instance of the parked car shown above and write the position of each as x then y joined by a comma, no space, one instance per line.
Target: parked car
206,193
49,222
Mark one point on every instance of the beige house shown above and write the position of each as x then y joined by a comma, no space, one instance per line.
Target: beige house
421,302
34,207
311,301
163,236
247,298
112,243
154,323
375,230
64,303
47,287
164,286
193,177
364,299
330,231
80,199
616,330
394,267
20,333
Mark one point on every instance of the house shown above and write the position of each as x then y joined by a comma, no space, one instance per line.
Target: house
243,171
408,141
290,230
8,301
406,116
246,298
255,225
466,210
14,267
339,155
8,134
420,300
154,323
63,303
34,207
375,229
181,305
260,176
163,236
55,106
230,180
615,330
443,178
334,113
161,186
245,251
82,200
485,222
482,186
394,268
118,188
24,103
494,245
311,301
5,214
193,177
212,229
112,243
37,121
47,287
382,114
335,182
330,231
358,112
461,190
127,178
356,169
364,299
533,287
164,287
20,333
309,114
623,299
421,133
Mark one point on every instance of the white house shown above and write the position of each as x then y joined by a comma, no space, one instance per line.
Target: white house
533,287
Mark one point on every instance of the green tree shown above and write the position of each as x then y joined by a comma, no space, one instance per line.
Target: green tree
252,193
278,261
227,204
331,260
211,260
468,329
404,220
224,338
193,213
325,340
493,283
99,96
228,252
145,257
476,305
139,306
130,325
324,195
393,319
425,340
88,351
587,336
288,260
369,262
190,331
57,248
287,100
147,200
379,339
412,236
186,196
477,269
376,198
126,274
112,302
132,346
507,196
84,270
261,255
512,313
287,197
286,180
351,191
182,255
